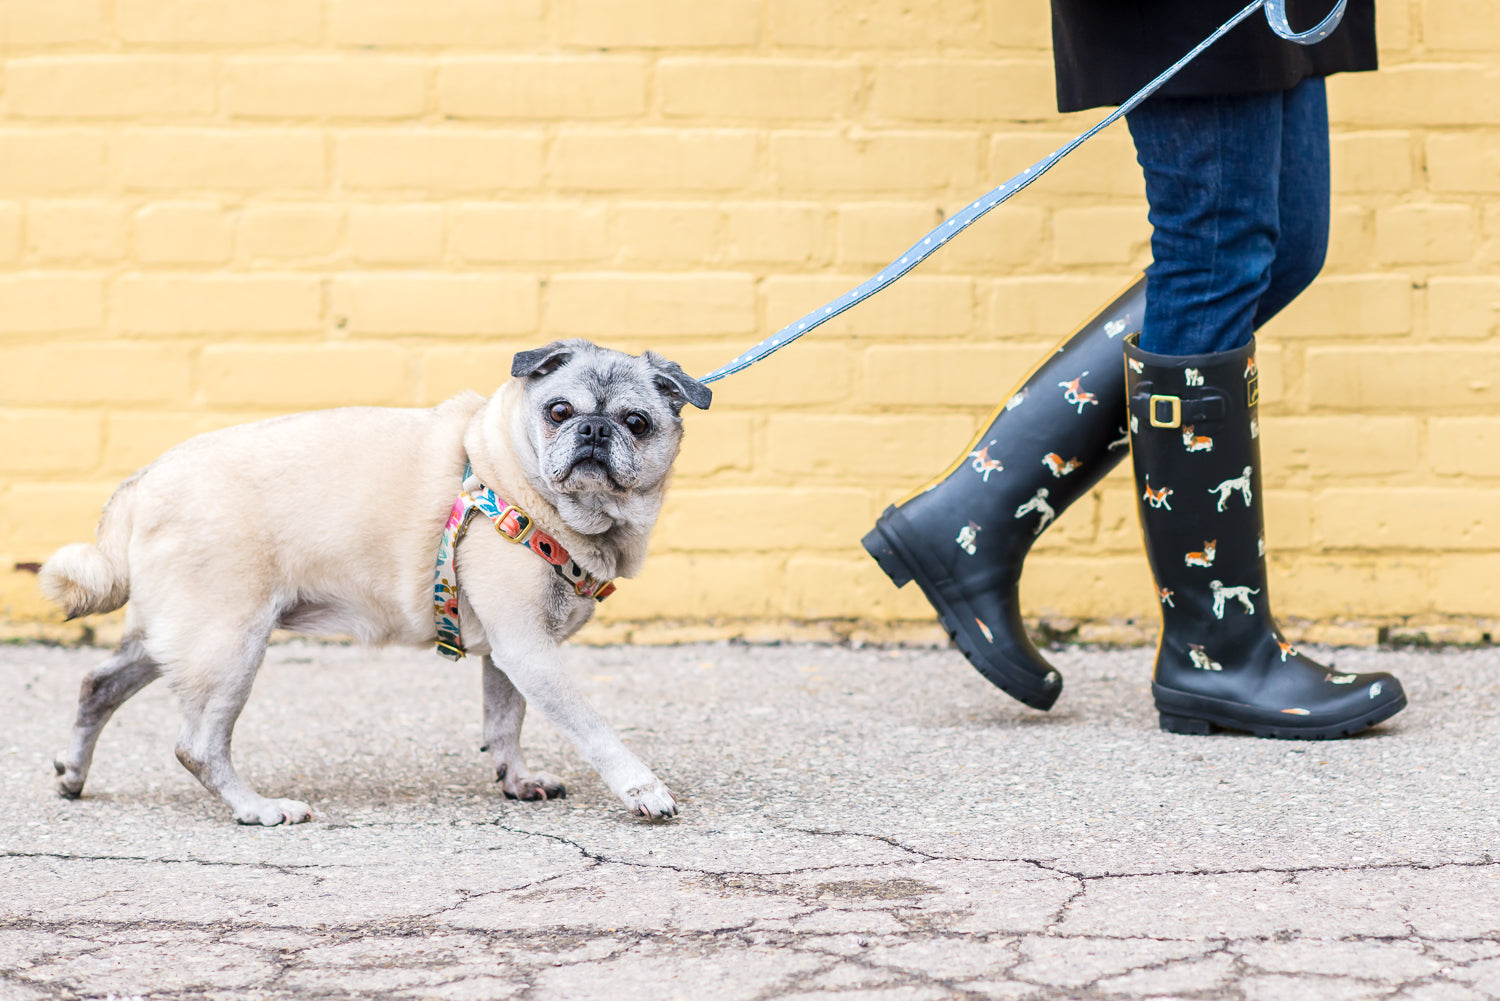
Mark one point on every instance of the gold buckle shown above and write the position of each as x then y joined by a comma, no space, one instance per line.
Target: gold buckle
449,650
1176,419
525,526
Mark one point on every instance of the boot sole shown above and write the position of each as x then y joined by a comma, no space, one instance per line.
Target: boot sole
1201,716
902,570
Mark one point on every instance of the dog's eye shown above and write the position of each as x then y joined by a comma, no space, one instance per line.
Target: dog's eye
560,411
637,424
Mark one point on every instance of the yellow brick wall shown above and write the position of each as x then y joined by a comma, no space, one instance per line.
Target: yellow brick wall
212,212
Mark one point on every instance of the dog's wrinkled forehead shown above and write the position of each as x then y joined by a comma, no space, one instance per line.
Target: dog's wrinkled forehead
596,375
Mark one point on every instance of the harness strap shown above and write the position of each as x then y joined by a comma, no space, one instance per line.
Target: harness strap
511,523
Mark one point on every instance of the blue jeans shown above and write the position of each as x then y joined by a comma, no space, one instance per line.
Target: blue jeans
1238,193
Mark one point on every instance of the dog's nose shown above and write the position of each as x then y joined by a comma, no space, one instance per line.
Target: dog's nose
595,429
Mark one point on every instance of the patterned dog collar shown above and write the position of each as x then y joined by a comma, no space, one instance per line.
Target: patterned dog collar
512,523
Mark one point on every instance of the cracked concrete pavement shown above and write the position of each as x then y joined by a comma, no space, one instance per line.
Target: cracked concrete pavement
867,823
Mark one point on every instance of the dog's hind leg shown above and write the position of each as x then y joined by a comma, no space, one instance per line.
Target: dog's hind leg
213,679
104,690
504,710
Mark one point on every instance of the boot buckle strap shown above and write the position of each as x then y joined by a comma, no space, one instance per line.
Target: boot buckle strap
1174,411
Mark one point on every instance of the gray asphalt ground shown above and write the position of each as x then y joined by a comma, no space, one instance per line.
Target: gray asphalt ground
862,823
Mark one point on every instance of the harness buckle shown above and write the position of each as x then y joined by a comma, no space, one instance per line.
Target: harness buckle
524,525
1175,411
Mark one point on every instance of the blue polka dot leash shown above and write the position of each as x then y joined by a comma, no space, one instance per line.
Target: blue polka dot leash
971,213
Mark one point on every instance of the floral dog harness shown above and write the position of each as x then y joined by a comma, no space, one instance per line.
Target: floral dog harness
513,524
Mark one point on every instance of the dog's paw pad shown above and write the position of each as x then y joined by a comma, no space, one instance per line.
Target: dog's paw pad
275,812
654,802
534,786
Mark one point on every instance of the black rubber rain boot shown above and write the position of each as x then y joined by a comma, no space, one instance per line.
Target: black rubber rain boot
1221,661
963,536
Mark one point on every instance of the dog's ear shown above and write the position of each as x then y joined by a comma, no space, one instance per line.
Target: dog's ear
542,361
676,385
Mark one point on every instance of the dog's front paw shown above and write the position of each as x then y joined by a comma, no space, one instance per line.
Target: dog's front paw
273,812
69,780
530,785
653,801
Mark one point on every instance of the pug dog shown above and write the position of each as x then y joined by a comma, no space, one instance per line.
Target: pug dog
330,522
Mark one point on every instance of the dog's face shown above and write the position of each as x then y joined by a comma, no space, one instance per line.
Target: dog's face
604,426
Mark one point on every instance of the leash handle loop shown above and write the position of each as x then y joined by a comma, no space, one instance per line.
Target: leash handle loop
975,210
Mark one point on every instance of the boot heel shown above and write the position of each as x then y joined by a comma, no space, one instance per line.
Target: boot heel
881,551
1185,724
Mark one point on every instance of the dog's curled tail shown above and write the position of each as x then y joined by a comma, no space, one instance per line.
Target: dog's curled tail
86,578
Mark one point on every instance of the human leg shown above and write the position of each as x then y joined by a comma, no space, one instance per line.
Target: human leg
963,536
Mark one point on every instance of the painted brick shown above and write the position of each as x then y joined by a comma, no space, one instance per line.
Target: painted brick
301,377
903,447
1425,234
89,374
1095,586
661,24
1461,26
981,375
1369,162
11,216
1376,380
1289,515
1018,24
110,86
1102,235
133,439
290,231
776,233
807,374
448,371
209,22
527,231
1046,306
177,159
1012,237
1354,305
1464,446
198,232
697,586
217,304
1342,447
1463,307
1351,587
611,305
76,231
903,162
726,90
762,519
872,234
1105,165
50,302
41,517
1422,94
60,22
51,162
1464,162
848,587
715,445
652,159
1351,240
49,441
325,87
548,88
505,24
434,303
667,233
880,24
1466,584
946,90
397,234
431,160
1393,29
917,305
1429,518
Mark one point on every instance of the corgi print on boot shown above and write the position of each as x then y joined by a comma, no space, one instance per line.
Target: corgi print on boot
1222,663
975,594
